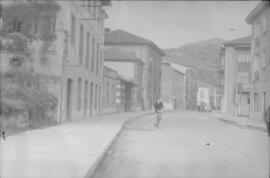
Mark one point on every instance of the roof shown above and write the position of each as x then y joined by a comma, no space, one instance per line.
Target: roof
240,41
201,84
116,54
179,68
123,37
256,11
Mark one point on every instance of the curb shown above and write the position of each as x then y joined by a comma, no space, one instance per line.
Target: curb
108,146
239,124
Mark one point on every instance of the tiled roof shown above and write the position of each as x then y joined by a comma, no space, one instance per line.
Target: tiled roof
240,41
123,37
116,54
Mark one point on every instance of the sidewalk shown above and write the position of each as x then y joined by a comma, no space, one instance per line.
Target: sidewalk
69,150
242,121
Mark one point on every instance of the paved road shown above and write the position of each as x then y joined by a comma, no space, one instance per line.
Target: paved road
188,145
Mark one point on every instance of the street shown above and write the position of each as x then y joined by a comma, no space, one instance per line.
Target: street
188,145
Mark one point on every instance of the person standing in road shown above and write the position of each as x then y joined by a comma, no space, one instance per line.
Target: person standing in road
158,109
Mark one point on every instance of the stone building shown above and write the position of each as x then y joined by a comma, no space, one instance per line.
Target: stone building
237,77
72,68
172,86
259,19
149,82
191,90
129,68
221,74
207,95
110,81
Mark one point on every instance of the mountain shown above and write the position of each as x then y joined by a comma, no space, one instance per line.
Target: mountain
201,56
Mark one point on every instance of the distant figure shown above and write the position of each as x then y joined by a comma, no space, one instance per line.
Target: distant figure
158,109
267,119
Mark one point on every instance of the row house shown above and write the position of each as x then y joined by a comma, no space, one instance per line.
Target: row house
148,85
236,56
190,83
259,19
172,86
73,67
129,69
207,96
110,81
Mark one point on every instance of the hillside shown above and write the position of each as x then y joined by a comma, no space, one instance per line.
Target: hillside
202,56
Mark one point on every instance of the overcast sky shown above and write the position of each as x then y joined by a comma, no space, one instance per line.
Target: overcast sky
173,23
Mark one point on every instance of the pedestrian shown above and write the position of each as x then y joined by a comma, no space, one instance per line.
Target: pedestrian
267,119
158,109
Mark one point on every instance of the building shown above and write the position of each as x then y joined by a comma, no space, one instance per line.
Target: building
191,90
149,86
173,86
236,99
221,76
129,68
110,81
259,19
71,66
207,95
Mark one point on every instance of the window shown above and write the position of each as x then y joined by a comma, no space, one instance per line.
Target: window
256,102
100,58
263,60
79,94
96,96
93,55
256,63
73,29
81,44
97,62
87,57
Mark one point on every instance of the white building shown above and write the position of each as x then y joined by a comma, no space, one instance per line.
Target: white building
207,95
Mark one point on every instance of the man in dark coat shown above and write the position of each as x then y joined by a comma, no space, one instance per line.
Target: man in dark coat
158,109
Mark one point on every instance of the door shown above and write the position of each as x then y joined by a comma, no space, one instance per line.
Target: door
85,98
69,100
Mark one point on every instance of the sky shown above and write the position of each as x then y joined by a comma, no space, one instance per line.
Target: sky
174,23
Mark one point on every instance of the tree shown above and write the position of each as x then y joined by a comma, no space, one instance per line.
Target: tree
22,90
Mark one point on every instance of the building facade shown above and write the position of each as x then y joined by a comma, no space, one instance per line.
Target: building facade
191,90
236,100
149,86
259,19
207,96
129,68
221,78
110,81
72,67
172,86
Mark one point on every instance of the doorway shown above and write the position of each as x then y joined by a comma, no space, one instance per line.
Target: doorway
85,98
69,99
91,100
